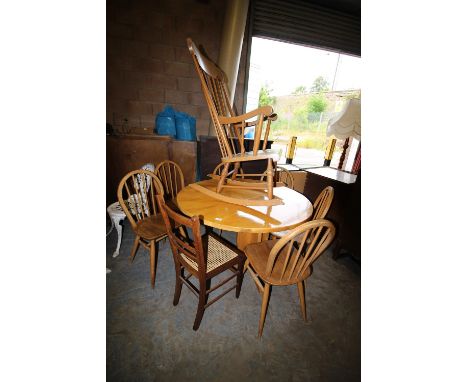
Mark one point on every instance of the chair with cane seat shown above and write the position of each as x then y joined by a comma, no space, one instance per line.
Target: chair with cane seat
288,261
230,129
137,196
203,257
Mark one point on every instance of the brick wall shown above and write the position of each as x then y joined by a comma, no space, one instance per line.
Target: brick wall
149,65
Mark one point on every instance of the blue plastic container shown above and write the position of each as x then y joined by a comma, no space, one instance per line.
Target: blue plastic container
185,127
166,122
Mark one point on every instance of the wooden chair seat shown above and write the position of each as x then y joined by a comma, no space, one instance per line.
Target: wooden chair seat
202,257
137,196
218,254
258,254
249,155
287,261
151,228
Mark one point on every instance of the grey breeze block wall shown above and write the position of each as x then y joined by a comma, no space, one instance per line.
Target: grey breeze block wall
148,64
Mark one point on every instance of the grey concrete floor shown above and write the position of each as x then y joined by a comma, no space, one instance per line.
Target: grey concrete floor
149,339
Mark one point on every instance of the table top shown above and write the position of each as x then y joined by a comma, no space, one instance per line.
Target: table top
236,218
335,174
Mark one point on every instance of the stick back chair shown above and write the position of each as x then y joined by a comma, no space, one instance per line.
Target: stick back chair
116,215
203,257
321,206
137,196
172,179
288,261
230,129
283,176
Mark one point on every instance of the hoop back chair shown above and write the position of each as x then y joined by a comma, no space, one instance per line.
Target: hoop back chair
172,179
288,261
116,215
283,176
321,206
230,130
137,196
203,257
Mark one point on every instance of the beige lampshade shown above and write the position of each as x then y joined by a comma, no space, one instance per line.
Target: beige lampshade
348,122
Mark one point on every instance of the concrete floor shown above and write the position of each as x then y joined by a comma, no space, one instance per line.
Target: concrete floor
149,339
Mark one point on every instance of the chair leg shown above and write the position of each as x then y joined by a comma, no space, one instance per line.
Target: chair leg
118,227
301,290
266,297
178,285
270,174
240,277
153,261
201,305
222,177
136,244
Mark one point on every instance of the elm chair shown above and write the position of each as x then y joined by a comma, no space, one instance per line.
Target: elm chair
203,257
230,129
321,206
288,261
137,193
282,175
171,177
117,215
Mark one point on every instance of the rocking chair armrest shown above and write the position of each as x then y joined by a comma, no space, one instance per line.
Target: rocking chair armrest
272,117
266,111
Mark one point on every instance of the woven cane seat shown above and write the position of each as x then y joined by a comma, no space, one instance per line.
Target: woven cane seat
218,254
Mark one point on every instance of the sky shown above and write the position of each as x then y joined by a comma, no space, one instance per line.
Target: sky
286,66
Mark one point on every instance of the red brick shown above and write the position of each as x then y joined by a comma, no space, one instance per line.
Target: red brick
197,99
182,54
202,126
150,34
163,81
137,107
138,79
188,84
119,62
135,48
177,69
151,95
175,97
186,108
162,52
157,107
113,46
121,91
149,65
119,30
164,21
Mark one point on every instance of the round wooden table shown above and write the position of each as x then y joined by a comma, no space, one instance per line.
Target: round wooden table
252,223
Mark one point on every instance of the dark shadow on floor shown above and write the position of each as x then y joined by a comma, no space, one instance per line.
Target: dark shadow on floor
149,339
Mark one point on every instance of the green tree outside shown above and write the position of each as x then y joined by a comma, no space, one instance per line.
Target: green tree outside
320,85
265,98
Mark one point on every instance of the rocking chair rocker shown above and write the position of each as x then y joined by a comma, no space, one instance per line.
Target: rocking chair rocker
230,130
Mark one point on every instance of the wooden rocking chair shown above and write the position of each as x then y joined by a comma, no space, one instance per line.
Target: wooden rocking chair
230,130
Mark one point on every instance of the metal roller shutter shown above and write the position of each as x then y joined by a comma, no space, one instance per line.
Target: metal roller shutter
304,23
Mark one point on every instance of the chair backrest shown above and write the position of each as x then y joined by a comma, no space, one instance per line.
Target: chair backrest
214,87
322,203
289,258
136,194
184,248
171,177
285,176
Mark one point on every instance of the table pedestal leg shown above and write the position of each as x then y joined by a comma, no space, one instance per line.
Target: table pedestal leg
246,238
